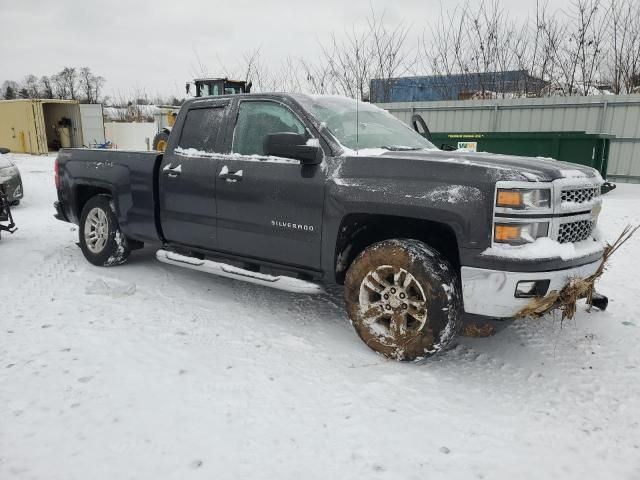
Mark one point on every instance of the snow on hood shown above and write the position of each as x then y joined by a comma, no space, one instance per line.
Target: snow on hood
5,162
532,169
364,152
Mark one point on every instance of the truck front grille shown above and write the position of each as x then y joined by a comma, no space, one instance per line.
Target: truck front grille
575,231
580,195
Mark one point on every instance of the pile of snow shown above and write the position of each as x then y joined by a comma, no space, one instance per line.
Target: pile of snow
548,248
100,287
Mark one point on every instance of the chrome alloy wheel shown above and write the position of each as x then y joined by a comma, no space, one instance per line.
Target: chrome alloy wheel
393,304
96,230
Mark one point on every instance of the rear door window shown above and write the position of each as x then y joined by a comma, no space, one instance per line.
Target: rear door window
202,128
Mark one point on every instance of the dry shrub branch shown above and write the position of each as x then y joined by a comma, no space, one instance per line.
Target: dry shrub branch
566,299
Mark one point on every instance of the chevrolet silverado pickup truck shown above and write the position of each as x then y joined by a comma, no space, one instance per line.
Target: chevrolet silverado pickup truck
297,191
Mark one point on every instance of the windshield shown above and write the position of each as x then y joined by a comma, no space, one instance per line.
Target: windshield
366,126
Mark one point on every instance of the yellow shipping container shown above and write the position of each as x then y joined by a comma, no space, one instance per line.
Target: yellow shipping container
38,126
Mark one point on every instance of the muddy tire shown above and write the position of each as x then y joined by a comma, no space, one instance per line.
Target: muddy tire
404,299
101,239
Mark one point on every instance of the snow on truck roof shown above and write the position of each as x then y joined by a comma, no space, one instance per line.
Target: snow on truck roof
212,79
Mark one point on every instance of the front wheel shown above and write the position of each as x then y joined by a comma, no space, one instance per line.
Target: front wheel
404,299
101,239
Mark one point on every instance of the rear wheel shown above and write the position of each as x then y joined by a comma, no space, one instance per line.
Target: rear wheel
160,141
404,299
101,239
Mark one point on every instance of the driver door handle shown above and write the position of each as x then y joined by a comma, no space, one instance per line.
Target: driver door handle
171,171
230,176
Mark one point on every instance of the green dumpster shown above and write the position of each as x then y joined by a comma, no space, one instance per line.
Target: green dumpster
582,148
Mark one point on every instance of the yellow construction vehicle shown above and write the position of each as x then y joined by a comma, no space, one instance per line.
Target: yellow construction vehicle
204,87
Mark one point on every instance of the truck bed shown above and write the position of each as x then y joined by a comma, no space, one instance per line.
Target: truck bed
128,176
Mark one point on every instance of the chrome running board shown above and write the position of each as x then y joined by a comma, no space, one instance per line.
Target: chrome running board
288,284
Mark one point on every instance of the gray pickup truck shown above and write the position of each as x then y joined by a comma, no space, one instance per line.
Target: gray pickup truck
297,191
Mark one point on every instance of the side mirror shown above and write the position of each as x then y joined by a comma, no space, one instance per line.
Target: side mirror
292,145
4,150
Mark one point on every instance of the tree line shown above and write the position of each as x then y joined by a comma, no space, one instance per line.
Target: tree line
592,46
70,83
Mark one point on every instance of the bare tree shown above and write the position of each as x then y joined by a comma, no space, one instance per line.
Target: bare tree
317,76
345,66
66,84
444,51
199,70
390,57
473,43
593,24
623,58
31,85
580,54
348,61
133,105
253,67
548,34
480,43
46,87
483,30
90,85
631,58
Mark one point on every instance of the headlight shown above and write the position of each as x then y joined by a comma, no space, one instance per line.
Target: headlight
519,233
523,198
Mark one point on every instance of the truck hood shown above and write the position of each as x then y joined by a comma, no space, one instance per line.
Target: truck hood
5,162
8,171
501,167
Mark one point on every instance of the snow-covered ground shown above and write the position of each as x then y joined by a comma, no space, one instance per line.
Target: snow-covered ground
148,371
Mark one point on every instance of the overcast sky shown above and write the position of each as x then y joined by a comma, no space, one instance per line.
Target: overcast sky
155,45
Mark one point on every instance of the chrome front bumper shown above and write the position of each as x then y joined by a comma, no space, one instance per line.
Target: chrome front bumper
491,293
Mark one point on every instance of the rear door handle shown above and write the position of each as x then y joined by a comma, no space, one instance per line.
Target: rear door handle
230,176
171,171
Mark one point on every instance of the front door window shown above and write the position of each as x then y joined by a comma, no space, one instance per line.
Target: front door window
256,120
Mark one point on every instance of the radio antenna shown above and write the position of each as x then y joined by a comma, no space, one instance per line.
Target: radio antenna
357,128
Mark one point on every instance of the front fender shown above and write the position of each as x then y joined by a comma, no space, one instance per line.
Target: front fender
465,209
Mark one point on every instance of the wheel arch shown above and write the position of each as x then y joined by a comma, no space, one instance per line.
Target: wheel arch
85,192
358,231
